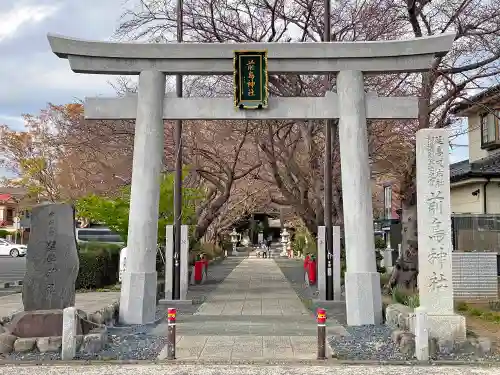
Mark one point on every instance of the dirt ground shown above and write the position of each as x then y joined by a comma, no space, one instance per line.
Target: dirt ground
477,326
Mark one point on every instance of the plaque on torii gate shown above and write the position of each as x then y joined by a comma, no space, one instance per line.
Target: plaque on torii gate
350,104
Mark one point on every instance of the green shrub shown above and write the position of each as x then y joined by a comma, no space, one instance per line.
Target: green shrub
4,233
475,312
99,265
208,249
379,243
462,306
405,296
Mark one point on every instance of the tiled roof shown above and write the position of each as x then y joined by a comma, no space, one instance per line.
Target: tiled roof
486,167
464,104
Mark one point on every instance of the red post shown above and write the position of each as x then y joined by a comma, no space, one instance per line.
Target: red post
306,261
198,270
171,318
321,319
311,271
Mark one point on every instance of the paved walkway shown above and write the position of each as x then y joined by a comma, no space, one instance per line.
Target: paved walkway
89,302
253,314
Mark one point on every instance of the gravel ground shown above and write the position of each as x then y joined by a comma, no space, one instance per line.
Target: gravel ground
366,342
136,342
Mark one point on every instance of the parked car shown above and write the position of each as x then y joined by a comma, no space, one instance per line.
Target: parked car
12,249
98,234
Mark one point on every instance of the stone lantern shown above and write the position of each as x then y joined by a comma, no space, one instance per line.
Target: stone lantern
234,240
285,237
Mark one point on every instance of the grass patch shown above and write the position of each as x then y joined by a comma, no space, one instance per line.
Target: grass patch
489,311
405,296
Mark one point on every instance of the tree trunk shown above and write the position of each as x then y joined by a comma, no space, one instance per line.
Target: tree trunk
209,216
406,270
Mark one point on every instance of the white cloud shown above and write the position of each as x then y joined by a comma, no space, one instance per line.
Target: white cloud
12,20
13,122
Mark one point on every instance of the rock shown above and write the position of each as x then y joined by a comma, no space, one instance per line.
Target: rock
483,345
51,260
116,311
446,347
433,347
106,315
396,336
407,344
49,344
7,342
24,344
110,311
93,342
96,318
79,341
2,329
396,314
43,323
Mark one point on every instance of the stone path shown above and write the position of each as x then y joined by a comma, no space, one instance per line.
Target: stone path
253,314
88,302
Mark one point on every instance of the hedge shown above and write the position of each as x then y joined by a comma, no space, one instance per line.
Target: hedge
99,265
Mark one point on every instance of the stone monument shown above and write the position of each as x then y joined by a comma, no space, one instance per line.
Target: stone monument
52,259
434,236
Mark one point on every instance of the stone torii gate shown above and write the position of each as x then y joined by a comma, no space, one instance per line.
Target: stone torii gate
152,62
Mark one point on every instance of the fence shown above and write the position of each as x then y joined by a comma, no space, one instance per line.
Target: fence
475,275
476,232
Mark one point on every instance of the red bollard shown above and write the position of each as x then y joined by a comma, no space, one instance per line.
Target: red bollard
198,270
306,261
171,318
321,319
311,271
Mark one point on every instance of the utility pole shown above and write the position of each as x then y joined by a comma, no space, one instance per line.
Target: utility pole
328,176
178,174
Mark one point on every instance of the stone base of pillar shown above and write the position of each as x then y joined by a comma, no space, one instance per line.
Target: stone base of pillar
445,328
363,298
138,298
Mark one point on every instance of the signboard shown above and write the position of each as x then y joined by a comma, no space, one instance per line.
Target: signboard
250,79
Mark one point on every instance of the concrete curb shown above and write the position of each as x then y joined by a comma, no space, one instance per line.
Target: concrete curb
11,284
269,362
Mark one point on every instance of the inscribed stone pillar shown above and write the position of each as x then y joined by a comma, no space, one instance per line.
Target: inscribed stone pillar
337,287
321,262
184,264
169,262
322,258
52,259
138,293
434,235
362,281
69,331
123,263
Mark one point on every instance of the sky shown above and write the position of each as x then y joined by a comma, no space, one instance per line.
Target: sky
31,75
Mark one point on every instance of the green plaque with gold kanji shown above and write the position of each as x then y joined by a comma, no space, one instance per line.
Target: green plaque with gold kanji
250,79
